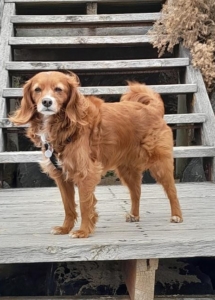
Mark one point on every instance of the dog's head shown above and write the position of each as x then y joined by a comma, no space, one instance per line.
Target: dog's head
48,93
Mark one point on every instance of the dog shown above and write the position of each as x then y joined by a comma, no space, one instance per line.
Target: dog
82,137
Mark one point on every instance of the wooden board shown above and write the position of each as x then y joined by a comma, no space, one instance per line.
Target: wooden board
27,215
98,297
72,41
170,119
86,19
36,156
5,55
110,298
99,65
117,90
84,1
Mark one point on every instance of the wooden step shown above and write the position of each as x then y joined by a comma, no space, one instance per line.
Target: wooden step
86,19
36,156
119,297
99,65
116,90
170,119
75,41
81,1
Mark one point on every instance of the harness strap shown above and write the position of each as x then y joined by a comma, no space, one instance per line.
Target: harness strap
49,153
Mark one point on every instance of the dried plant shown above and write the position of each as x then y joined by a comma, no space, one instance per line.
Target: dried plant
191,22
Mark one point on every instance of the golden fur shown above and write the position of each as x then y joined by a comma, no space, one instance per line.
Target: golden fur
90,137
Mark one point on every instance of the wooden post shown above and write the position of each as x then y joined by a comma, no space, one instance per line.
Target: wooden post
181,135
91,8
140,278
6,55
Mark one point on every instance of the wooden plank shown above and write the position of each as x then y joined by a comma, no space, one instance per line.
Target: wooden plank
152,241
99,65
91,8
86,19
83,1
5,50
117,90
36,156
80,41
185,118
140,278
170,119
119,297
1,11
91,30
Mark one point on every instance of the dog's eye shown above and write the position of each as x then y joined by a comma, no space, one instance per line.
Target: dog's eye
57,89
37,90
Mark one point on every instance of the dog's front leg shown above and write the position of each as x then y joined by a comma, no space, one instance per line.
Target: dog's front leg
86,187
68,196
89,215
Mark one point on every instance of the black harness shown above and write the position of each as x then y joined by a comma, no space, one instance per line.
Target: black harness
51,154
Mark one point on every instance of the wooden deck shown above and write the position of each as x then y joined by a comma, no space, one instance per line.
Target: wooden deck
27,215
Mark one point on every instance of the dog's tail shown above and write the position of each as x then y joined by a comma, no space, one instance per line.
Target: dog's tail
145,95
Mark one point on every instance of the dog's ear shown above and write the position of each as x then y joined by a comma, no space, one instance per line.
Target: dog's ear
27,108
77,104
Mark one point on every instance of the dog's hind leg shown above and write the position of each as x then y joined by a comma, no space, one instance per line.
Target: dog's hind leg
162,171
68,196
131,177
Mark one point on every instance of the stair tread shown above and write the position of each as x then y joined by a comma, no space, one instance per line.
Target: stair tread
35,156
116,90
99,65
170,119
86,19
80,40
83,1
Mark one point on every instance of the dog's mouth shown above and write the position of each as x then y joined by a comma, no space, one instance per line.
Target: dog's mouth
47,111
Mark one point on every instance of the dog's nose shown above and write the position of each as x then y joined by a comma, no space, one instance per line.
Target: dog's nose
47,102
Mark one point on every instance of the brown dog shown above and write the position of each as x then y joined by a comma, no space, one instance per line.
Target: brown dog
83,137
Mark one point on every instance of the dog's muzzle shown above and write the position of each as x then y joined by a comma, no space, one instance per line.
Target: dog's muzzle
47,102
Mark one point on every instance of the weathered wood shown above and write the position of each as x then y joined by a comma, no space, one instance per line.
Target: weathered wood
99,65
117,90
98,297
201,101
86,19
170,119
36,156
81,31
82,1
80,41
196,297
185,118
140,278
153,236
91,8
5,52
1,11
181,135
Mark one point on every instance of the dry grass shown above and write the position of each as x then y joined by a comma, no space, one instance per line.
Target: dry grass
191,22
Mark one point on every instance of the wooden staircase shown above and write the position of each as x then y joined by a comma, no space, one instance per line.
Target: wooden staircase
82,24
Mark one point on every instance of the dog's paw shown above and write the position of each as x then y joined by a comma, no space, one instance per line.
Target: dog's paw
79,234
59,230
132,218
176,219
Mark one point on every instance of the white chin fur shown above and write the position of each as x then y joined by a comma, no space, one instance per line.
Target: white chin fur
47,112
